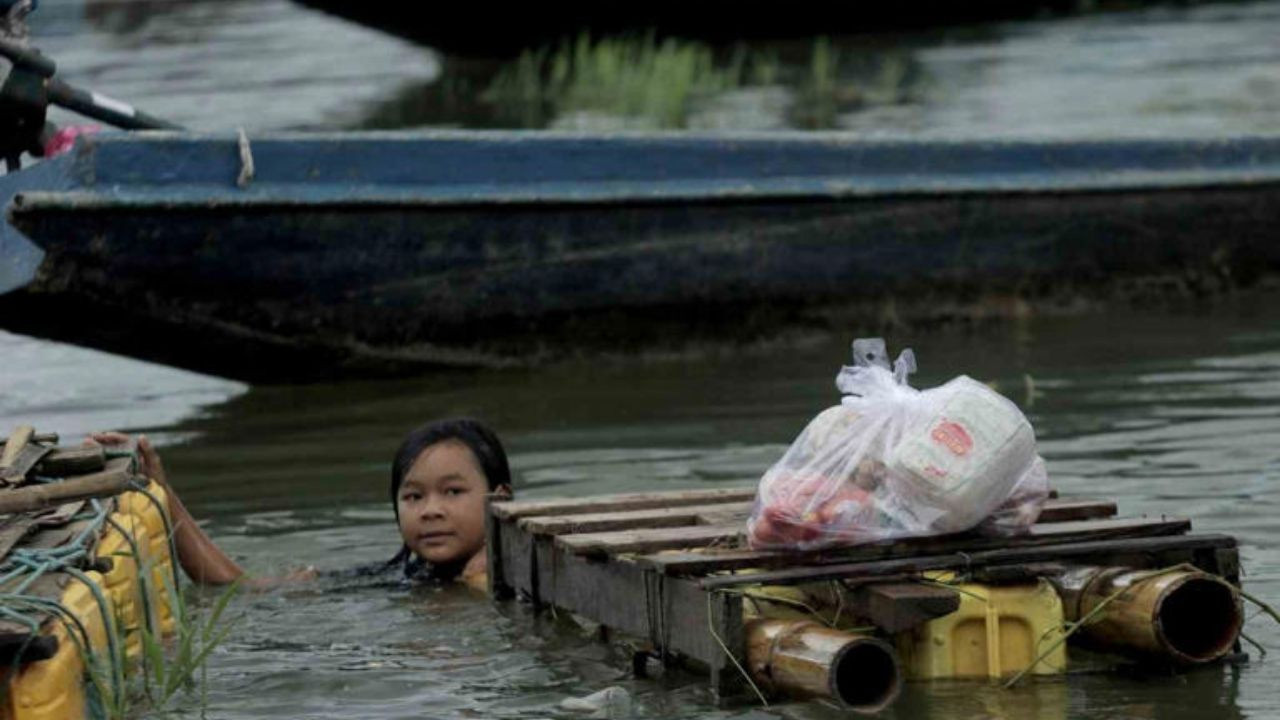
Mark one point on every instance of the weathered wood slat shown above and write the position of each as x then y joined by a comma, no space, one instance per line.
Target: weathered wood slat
649,540
514,510
15,443
668,614
894,607
13,528
635,519
14,635
24,461
73,461
1063,510
1200,550
1040,534
56,536
111,481
1054,511
42,438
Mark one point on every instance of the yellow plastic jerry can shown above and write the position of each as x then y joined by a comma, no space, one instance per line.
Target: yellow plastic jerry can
997,631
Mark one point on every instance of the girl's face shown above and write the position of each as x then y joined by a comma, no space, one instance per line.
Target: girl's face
441,504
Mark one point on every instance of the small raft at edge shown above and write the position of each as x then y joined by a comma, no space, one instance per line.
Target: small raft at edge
670,571
86,572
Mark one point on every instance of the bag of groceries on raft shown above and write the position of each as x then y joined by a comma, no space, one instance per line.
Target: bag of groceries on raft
891,461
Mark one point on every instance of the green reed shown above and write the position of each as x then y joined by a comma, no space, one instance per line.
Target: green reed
657,83
172,666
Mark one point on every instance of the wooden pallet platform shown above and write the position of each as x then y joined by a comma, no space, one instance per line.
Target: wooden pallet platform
662,567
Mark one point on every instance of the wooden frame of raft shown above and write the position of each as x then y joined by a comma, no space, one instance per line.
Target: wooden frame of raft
654,565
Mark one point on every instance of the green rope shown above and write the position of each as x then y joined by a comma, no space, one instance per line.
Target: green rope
142,572
168,530
25,566
108,622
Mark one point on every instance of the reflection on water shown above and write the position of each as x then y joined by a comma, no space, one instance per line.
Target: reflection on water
221,64
1170,414
1204,71
73,391
135,22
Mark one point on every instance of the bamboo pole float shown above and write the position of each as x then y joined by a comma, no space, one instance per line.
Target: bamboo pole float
31,498
1182,615
801,658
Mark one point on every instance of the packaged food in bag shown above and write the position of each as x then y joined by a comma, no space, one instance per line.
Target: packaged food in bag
892,461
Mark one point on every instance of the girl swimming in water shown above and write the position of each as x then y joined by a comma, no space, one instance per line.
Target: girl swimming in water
440,477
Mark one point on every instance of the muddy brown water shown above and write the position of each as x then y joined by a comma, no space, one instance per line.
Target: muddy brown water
1169,411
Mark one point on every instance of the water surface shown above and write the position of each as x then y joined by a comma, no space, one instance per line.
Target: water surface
1169,412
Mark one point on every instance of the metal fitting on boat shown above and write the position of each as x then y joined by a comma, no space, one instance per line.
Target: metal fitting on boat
801,658
1185,616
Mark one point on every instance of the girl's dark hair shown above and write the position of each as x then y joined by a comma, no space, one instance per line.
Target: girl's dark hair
483,444
479,439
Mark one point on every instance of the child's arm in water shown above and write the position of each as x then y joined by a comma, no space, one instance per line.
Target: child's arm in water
203,561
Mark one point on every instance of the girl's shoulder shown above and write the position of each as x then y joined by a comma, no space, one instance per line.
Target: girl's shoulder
403,569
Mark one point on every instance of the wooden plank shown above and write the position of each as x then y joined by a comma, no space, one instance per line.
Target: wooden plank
724,614
650,540
15,443
1224,561
894,607
669,614
42,438
1067,509
60,515
1131,552
1040,534
73,461
1054,511
636,519
13,528
620,503
659,539
112,481
15,471
13,635
498,586
57,536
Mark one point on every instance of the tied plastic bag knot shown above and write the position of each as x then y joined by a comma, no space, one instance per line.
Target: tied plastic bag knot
891,461
871,373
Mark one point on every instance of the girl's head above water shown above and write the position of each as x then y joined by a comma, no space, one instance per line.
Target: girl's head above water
439,479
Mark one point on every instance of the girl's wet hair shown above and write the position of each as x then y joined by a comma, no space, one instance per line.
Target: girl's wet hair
483,444
479,439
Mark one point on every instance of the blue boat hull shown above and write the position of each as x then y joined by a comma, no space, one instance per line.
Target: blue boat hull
394,253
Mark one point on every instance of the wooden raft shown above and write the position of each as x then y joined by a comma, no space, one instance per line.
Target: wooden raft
661,567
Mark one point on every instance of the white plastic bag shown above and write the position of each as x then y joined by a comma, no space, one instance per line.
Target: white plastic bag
892,461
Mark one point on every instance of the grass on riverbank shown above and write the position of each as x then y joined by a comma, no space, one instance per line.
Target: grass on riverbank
657,83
